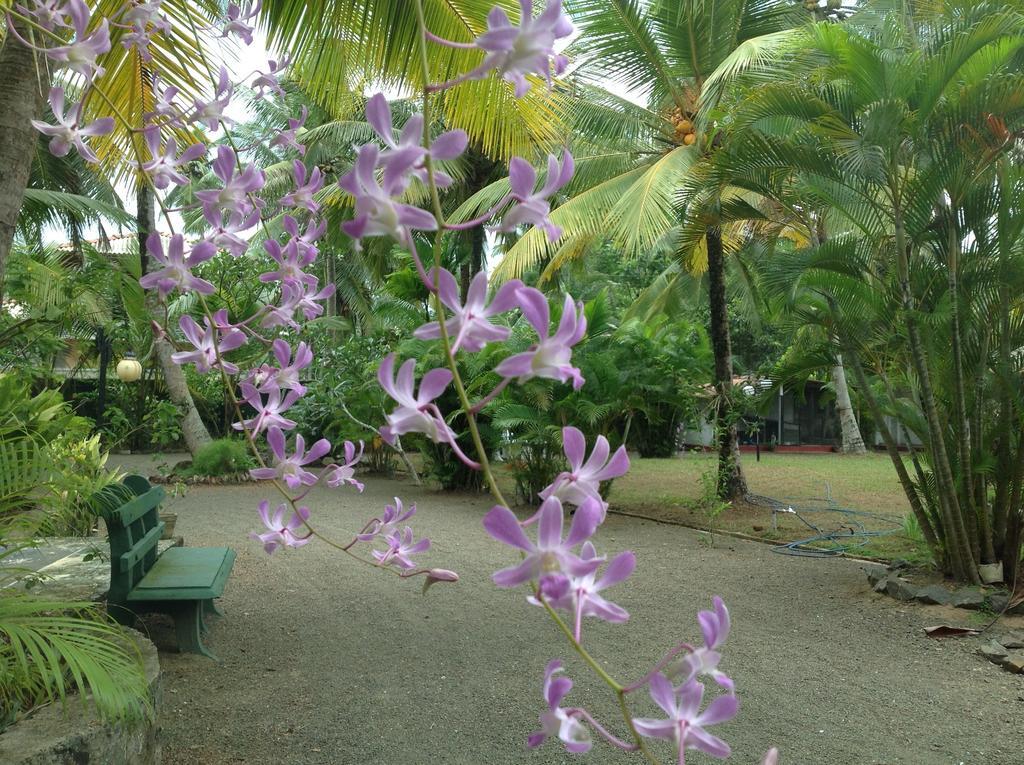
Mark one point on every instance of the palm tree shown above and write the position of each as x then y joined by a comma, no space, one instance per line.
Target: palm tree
339,47
635,162
900,122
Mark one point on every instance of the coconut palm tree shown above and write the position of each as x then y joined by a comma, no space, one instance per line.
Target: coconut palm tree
634,162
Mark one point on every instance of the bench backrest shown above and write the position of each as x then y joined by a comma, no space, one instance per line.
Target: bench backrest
134,529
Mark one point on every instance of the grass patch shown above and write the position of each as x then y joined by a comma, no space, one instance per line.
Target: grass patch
672,489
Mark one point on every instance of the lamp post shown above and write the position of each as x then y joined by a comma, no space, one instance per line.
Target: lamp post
750,391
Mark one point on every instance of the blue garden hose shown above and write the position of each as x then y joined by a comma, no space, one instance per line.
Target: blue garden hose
851,535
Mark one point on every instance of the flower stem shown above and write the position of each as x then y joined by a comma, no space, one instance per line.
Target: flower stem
435,202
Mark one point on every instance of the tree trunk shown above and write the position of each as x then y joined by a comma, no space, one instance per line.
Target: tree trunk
731,482
23,86
923,519
958,538
853,443
193,428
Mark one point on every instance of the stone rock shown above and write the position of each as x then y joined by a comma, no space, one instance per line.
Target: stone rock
876,574
1012,640
181,467
997,602
1014,663
898,564
994,652
1017,610
934,594
969,598
880,585
900,589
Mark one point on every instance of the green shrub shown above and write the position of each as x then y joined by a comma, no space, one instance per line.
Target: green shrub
225,456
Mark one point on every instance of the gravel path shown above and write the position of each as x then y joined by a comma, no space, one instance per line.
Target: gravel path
324,661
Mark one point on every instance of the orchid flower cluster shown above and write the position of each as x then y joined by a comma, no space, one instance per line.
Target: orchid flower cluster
232,210
564,572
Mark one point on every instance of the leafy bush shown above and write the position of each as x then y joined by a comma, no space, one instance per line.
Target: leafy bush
78,471
48,472
49,649
163,421
225,456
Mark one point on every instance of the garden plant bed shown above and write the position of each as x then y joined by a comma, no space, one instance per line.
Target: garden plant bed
71,733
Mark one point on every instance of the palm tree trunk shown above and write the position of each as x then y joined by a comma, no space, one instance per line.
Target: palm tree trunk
853,443
958,538
22,94
731,482
193,429
920,513
982,541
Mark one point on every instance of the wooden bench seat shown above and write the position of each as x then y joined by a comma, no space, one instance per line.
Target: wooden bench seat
183,582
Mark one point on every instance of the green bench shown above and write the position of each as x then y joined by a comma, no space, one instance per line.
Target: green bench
182,582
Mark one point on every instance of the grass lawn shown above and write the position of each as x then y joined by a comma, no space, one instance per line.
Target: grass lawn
673,489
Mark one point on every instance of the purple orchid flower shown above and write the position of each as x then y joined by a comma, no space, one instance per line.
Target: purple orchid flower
268,80
233,197
163,167
685,725
225,236
290,261
303,297
704,661
80,56
469,327
416,413
308,298
163,106
144,21
388,523
211,113
47,13
220,337
399,547
66,133
583,598
176,272
286,376
305,241
406,149
344,474
550,560
516,51
557,721
435,575
551,356
583,480
291,469
145,13
377,213
280,533
533,208
304,193
289,139
237,18
268,413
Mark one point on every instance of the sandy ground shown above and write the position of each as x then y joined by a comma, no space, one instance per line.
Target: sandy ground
326,661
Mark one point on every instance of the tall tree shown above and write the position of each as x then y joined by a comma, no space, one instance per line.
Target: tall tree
639,165
901,123
23,86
